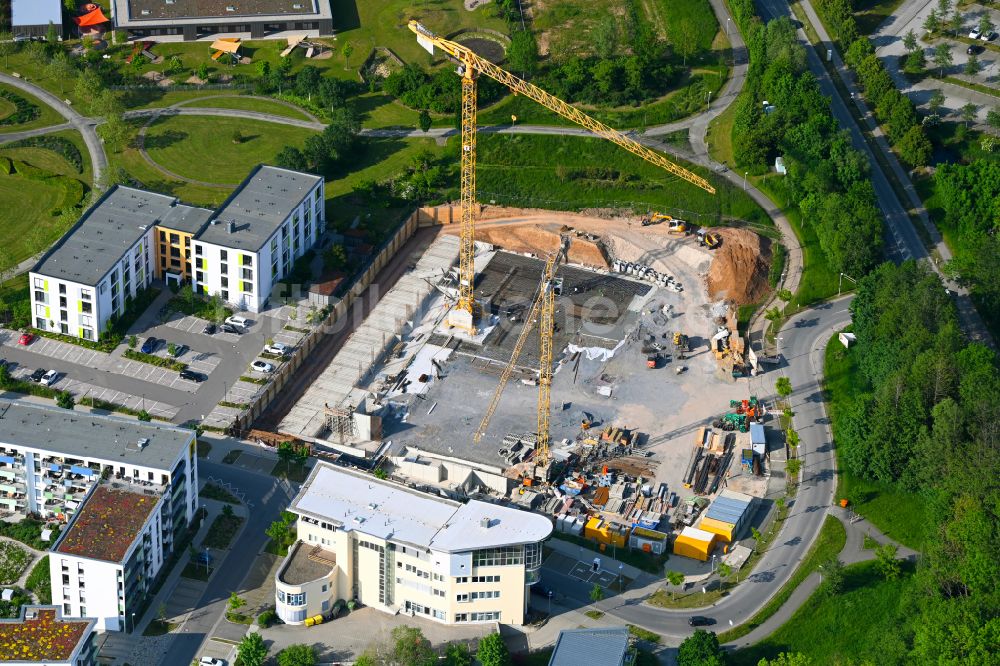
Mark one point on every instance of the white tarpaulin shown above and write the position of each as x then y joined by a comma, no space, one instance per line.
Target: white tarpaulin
596,353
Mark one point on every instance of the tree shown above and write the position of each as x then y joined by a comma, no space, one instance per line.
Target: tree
425,121
411,648
336,258
915,148
522,54
757,536
969,113
675,578
972,65
251,651
236,602
993,118
910,41
933,22
172,349
943,7
685,42
348,51
942,57
783,386
286,453
833,575
65,400
51,34
792,437
202,72
7,46
936,101
605,37
61,69
956,22
724,570
793,466
227,510
298,654
596,593
701,649
144,416
492,651
886,562
787,659
985,24
457,654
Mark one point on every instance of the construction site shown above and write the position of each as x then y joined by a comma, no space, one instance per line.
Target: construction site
584,366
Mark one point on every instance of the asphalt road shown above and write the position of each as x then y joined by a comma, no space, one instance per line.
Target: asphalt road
802,342
270,497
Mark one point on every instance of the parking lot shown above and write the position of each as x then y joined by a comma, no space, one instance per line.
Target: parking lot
583,571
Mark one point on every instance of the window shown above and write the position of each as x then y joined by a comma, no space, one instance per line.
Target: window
225,294
486,579
174,238
62,289
247,260
197,251
438,593
87,333
85,295
223,255
163,236
440,615
86,320
489,594
498,557
484,617
224,269
281,596
103,288
175,252
67,609
247,273
199,276
225,281
462,597
39,283
86,307
462,579
41,297
62,301
39,310
297,599
248,287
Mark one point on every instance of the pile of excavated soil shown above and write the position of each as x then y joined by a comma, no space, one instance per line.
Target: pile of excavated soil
740,267
540,240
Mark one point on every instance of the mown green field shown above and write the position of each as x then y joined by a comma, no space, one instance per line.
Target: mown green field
246,103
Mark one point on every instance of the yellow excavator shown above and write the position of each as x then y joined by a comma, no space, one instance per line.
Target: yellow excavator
711,240
674,225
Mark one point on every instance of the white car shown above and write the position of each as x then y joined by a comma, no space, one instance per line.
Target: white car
278,348
211,661
49,378
238,320
262,366
974,33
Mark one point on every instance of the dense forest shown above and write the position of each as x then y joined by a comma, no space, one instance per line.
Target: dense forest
827,178
925,419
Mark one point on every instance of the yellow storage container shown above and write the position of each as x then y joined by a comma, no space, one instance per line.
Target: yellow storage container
722,529
694,543
315,619
605,532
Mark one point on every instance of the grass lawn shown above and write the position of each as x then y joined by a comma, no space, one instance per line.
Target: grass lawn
159,627
831,540
720,137
294,472
221,531
212,490
376,110
47,116
847,628
172,143
247,103
571,173
900,515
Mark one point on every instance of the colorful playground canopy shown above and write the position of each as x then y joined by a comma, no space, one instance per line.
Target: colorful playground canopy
95,17
227,45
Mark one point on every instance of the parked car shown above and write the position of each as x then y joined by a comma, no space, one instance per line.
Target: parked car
149,345
988,36
700,621
278,348
37,375
229,328
178,350
26,339
238,320
49,378
192,376
203,558
974,33
975,49
262,366
209,329
211,661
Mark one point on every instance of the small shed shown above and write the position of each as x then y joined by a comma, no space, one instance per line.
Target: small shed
648,541
847,339
7,594
758,441
779,165
694,543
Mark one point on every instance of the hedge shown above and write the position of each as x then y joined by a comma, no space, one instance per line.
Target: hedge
57,144
24,111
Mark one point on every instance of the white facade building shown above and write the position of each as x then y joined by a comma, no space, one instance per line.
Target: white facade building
405,551
253,240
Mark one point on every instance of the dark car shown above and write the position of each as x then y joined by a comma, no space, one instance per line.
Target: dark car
229,328
700,621
209,329
192,376
203,558
37,375
149,345
975,49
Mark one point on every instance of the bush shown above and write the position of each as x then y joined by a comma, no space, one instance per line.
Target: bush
152,359
29,532
24,111
267,618
14,559
39,581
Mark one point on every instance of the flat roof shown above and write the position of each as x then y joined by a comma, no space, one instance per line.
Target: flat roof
696,534
35,12
149,10
95,244
307,563
387,510
83,435
727,510
40,635
107,524
257,207
606,646
189,219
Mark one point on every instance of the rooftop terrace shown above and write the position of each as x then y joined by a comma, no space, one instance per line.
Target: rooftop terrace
306,564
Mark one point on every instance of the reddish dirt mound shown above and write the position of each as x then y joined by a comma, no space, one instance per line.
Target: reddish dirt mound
739,268
541,240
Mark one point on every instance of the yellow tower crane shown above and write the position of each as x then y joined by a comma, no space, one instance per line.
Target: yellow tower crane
470,65
463,315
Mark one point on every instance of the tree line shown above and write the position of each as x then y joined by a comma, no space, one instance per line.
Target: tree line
782,112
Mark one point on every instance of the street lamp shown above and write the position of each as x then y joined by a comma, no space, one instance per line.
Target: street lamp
709,104
550,603
728,21
745,174
133,622
620,584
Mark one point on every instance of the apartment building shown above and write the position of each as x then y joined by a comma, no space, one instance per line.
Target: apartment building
41,637
51,459
254,238
130,236
400,550
90,274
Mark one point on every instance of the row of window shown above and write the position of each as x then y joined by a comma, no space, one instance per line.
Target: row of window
414,570
498,557
486,616
475,596
292,599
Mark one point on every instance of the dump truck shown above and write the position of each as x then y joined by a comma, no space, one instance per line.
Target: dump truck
680,342
711,241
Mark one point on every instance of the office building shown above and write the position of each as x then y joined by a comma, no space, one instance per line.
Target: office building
41,637
130,236
404,551
204,19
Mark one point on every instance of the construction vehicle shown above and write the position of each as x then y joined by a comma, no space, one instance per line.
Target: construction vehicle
656,218
463,315
681,343
675,226
652,360
711,240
